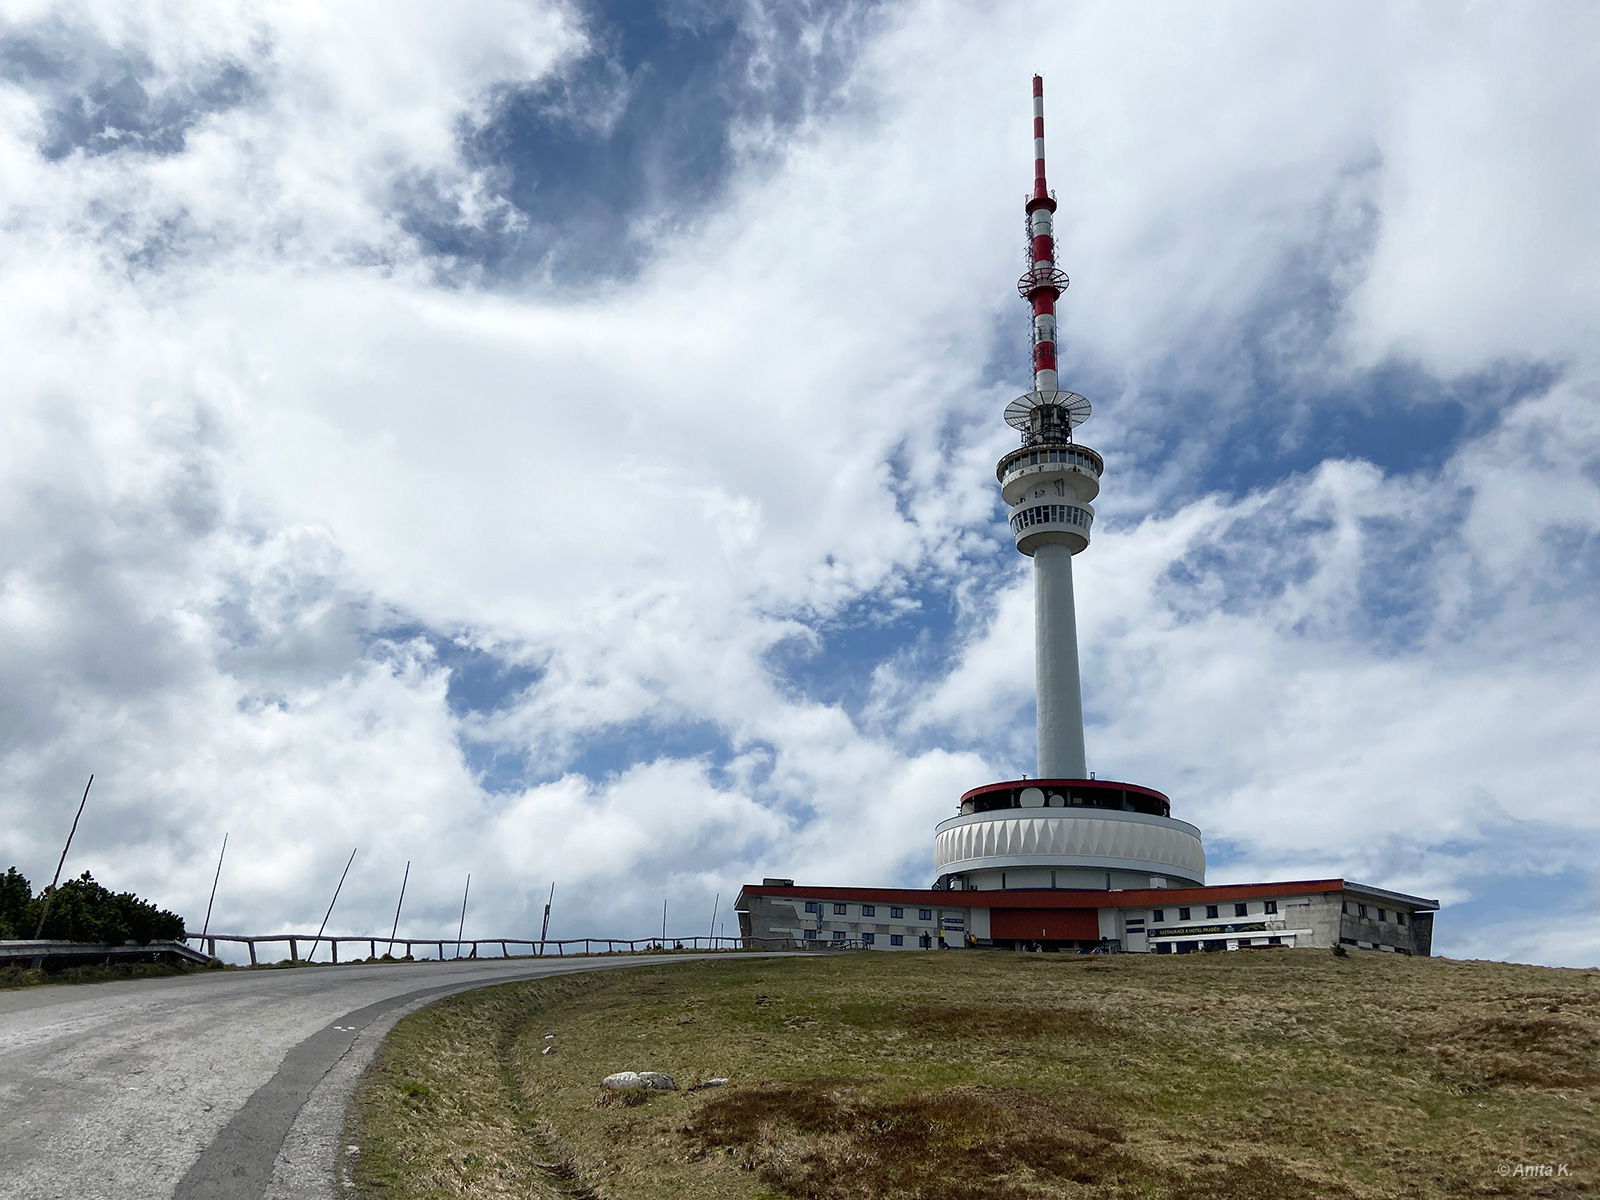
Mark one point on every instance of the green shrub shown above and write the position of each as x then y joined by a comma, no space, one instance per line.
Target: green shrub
15,893
83,911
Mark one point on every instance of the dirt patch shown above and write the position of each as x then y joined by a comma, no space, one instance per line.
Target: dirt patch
989,1021
821,1138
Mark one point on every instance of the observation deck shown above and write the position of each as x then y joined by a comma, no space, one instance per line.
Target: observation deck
1066,833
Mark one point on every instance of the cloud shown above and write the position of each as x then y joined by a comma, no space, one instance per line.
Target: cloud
337,512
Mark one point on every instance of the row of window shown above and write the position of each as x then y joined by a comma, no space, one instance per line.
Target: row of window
1382,913
1050,514
1158,915
869,910
871,939
1037,457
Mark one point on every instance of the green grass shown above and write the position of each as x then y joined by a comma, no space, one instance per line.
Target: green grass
1008,1077
21,977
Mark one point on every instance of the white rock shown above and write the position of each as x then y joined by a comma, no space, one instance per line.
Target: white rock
633,1081
548,1050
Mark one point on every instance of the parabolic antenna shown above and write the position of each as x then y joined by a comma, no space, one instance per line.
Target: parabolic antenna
1075,409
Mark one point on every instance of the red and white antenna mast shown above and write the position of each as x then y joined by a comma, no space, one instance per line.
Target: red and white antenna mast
1047,410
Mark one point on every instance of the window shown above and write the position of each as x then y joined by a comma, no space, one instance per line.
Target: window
1361,910
1211,910
1240,910
897,913
925,941
924,914
1399,918
813,907
840,910
1270,907
1381,916
896,939
838,935
869,910
811,935
1274,941
1183,914
1159,915
869,938
1344,907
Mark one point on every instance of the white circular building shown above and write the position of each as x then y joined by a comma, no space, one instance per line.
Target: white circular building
1066,833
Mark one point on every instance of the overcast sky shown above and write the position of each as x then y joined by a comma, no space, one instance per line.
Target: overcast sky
556,442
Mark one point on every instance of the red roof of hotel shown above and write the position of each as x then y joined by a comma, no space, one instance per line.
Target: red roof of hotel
1072,897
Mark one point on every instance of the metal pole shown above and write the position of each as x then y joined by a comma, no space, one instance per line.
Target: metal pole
214,879
51,894
402,900
331,903
712,932
663,924
545,932
463,924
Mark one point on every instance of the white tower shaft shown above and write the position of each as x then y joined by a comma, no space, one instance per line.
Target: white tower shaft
1055,639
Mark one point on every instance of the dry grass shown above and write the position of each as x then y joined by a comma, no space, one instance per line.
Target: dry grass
1011,1077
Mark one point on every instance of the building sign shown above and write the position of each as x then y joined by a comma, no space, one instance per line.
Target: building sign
1192,930
954,922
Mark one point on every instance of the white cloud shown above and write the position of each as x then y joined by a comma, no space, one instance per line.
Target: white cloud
252,446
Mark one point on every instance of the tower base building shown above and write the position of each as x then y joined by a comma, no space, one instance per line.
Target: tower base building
1305,913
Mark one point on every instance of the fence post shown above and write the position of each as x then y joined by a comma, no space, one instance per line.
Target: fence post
211,947
252,944
372,948
294,949
333,949
441,951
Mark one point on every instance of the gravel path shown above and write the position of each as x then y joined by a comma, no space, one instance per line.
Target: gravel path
223,1086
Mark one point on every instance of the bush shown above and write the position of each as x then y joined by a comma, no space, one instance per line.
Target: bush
83,911
15,893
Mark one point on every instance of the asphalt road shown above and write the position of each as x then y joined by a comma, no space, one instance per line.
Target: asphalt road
222,1086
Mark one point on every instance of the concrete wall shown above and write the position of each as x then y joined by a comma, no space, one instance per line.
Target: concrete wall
1368,932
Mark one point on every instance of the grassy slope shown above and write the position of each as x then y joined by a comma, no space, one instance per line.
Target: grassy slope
947,1076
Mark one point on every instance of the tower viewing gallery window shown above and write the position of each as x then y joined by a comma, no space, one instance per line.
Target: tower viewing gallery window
1052,514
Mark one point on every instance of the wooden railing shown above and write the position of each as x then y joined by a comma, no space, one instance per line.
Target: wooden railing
557,948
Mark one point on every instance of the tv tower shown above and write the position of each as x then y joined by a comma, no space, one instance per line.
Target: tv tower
1048,484
1061,829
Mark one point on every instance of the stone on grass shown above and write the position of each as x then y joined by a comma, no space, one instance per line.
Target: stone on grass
633,1081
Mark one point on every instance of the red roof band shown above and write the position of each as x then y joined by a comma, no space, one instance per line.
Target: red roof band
1071,897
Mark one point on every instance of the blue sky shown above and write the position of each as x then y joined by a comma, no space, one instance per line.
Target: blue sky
556,442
